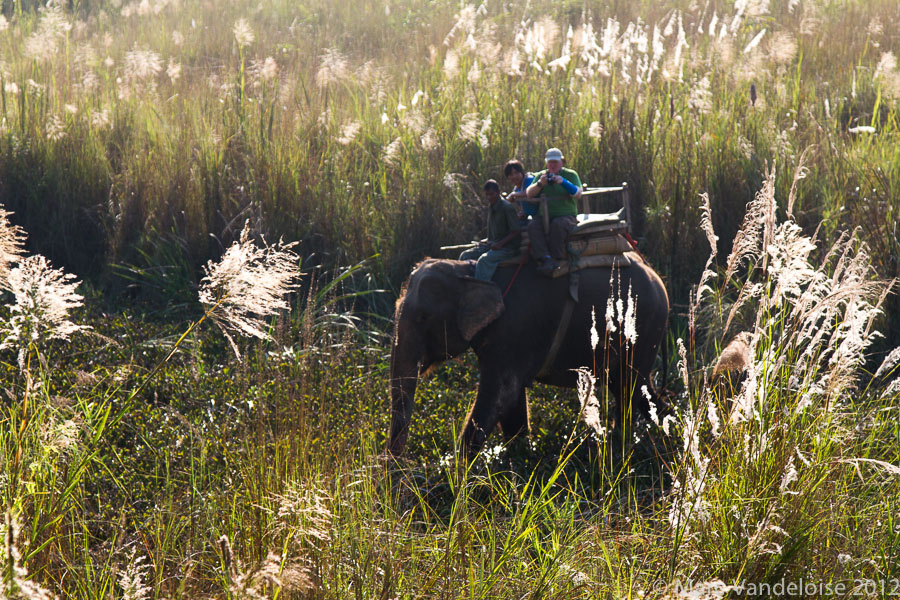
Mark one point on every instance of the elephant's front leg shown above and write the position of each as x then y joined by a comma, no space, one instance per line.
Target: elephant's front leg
516,421
498,393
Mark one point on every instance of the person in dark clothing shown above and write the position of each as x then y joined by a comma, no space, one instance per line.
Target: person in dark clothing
503,234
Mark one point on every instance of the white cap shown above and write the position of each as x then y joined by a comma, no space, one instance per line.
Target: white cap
553,154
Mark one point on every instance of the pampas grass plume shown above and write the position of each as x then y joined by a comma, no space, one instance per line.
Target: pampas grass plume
248,284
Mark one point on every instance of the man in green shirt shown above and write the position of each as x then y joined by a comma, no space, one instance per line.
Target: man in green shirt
562,188
503,234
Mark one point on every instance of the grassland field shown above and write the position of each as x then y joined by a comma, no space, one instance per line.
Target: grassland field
160,440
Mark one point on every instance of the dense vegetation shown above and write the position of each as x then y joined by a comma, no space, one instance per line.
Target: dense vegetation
171,450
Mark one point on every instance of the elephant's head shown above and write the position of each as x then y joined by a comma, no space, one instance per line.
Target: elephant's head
440,311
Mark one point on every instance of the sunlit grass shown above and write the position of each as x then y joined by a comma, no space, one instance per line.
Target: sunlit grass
337,126
142,459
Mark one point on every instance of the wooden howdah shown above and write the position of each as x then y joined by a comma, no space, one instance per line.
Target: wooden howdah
599,238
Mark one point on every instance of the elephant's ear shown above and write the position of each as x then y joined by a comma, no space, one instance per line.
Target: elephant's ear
480,304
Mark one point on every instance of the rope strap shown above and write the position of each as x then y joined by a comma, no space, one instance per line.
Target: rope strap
633,243
522,262
561,330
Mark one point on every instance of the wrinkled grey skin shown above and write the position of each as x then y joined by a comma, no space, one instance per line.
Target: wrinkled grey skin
443,311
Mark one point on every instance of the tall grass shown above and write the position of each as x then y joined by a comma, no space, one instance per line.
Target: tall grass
132,470
364,129
141,459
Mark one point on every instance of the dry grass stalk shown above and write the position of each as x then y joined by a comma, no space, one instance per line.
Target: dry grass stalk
44,297
712,238
826,310
258,582
133,580
15,582
688,503
751,240
746,244
334,68
890,361
12,238
303,509
769,208
590,405
248,285
682,363
800,173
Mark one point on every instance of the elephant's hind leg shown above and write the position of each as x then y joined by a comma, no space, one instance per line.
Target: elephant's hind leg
632,388
516,421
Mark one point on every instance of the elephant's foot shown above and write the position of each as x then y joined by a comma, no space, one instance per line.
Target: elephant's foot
472,440
397,440
515,423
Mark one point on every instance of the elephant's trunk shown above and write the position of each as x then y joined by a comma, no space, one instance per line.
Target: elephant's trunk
406,355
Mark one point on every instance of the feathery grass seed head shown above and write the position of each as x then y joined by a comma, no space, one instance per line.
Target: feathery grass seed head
141,65
44,297
349,132
630,323
712,238
333,68
173,70
590,405
100,119
263,70
55,128
51,28
248,284
682,363
890,361
12,238
133,580
391,153
469,127
243,34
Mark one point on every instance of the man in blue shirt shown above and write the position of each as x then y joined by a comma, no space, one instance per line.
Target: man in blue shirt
515,173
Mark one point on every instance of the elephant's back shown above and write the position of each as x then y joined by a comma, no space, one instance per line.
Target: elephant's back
523,284
538,301
646,278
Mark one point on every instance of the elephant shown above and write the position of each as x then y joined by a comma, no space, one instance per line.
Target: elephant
443,311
